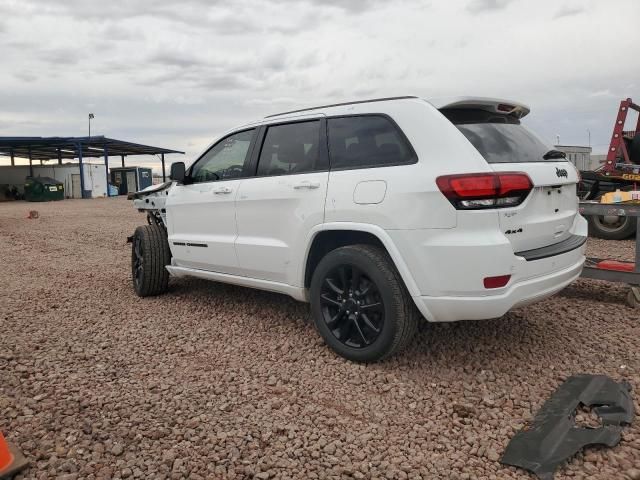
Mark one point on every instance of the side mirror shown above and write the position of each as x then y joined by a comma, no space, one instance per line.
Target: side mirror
177,172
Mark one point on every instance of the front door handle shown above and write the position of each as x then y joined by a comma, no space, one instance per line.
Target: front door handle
307,184
222,190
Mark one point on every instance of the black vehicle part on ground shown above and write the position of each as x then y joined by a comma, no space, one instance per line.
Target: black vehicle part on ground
554,437
150,254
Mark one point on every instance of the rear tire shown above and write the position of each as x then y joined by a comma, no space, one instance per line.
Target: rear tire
150,255
367,319
621,230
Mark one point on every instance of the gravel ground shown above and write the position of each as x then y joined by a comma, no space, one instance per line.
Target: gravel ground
215,381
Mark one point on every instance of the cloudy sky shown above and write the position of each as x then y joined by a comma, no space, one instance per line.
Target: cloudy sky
178,73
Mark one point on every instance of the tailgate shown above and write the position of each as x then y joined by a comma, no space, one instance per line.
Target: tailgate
494,128
548,213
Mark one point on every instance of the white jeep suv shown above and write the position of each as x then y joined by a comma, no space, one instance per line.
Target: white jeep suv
373,212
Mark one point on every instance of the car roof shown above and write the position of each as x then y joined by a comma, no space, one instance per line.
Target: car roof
497,105
356,102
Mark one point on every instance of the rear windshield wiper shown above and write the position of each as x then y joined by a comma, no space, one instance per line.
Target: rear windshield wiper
554,154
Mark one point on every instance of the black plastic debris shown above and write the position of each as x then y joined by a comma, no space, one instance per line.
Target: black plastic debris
553,437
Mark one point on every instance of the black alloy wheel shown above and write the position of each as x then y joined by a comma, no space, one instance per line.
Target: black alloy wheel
352,306
360,304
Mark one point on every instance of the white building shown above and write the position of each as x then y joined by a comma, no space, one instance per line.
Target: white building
580,156
599,159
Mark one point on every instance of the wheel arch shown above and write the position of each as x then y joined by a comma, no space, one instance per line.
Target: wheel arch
328,237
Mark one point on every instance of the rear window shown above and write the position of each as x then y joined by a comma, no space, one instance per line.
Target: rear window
499,138
367,141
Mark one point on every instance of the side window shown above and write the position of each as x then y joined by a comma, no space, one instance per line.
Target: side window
225,160
366,141
291,148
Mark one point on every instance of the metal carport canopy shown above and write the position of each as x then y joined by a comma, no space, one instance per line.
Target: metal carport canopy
59,148
53,148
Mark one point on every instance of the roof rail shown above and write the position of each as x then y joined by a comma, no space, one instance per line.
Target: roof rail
341,104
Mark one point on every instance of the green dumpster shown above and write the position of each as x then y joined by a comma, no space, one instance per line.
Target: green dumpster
43,189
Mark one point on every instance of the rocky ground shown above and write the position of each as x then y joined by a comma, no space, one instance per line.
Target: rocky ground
215,381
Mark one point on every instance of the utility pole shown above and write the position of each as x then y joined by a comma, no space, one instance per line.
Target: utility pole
91,115
589,133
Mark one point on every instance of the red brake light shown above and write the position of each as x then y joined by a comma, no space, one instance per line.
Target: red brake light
503,107
510,182
485,190
473,186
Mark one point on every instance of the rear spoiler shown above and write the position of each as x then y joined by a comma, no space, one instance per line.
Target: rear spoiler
496,105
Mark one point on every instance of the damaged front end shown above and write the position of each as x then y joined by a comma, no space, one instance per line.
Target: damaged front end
553,437
152,200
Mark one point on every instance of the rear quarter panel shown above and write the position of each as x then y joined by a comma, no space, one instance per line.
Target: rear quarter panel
412,199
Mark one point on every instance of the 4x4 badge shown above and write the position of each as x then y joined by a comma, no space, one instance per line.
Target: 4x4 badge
561,172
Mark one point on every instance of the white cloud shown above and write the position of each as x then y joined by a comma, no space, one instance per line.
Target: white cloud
569,11
477,6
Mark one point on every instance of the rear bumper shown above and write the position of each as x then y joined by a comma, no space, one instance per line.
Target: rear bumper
450,309
571,243
448,267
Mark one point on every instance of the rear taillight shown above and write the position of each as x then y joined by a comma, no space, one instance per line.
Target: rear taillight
472,191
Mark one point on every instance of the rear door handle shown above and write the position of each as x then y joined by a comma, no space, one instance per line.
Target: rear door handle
306,184
222,190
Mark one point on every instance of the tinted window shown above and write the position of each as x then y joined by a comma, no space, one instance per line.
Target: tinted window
499,138
366,141
291,148
225,160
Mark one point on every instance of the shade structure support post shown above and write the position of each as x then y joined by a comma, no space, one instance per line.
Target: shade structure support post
59,157
122,158
106,166
164,174
13,160
84,193
30,164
